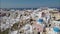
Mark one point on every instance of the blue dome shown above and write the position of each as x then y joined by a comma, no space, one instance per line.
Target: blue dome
40,20
56,29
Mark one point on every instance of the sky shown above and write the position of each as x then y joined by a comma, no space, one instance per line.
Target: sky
29,3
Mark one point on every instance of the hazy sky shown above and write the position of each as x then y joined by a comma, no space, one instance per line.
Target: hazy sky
28,3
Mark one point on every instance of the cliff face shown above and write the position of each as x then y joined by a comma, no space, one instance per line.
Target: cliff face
15,20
